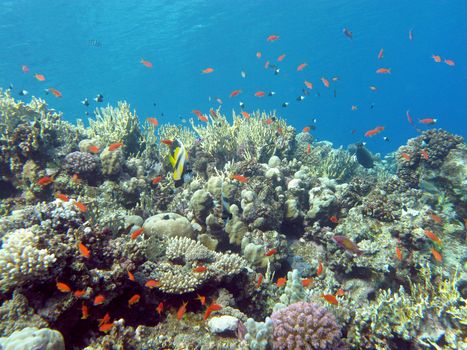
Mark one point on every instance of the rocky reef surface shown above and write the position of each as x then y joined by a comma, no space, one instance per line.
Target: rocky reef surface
275,241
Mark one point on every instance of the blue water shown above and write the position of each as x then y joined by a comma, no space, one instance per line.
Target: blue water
180,38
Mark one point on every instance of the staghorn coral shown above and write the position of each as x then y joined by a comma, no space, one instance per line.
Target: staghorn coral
22,259
305,326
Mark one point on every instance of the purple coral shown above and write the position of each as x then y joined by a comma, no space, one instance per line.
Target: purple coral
305,326
82,163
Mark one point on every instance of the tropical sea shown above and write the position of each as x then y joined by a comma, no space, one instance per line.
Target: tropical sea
84,48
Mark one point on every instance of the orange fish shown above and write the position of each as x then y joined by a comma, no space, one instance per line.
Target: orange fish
424,154
409,118
405,156
436,58
62,197
200,269
347,244
160,308
94,149
308,84
260,93
136,233
246,115
435,218
201,298
398,254
84,311
325,82
450,62
271,252
39,77
63,287
84,251
374,131
268,121
266,65
207,70
115,146
134,299
99,300
319,270
306,129
331,299
211,308
79,293
81,207
131,277
106,327
381,54
75,178
258,54
167,142
334,219
260,279
156,180
427,121
281,57
203,118
55,92
44,181
240,178
431,235
340,292
308,148
301,66
153,121
306,282
281,281
437,255
105,319
146,63
383,71
235,93
181,311
272,38
152,284
25,68
197,112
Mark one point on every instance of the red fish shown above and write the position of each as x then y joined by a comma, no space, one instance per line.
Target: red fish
424,154
105,319
106,327
266,65
409,118
374,131
427,121
235,93
134,299
281,281
55,92
207,70
167,142
240,178
246,115
152,284
84,311
405,156
81,207
200,269
331,299
115,146
84,251
202,299
301,66
381,54
281,57
210,309
258,54
398,254
79,293
383,71
153,121
39,77
197,112
146,63
160,308
308,84
44,181
436,218
450,62
347,244
156,180
25,68
271,252
260,279
306,129
334,219
131,277
272,38
431,235
94,149
260,93
308,148
181,311
319,270
99,300
306,282
325,82
437,255
436,58
63,287
137,232
62,197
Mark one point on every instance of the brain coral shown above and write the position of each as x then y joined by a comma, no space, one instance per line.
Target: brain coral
305,326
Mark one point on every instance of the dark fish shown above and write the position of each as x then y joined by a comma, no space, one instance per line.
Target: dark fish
364,156
300,98
23,93
94,43
85,102
241,104
271,93
306,92
285,104
335,93
277,71
385,138
99,98
347,33
372,105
